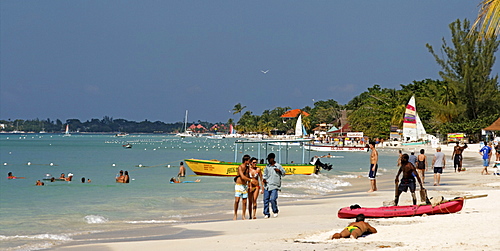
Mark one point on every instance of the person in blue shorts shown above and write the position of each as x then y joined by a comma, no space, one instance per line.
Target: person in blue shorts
373,168
486,153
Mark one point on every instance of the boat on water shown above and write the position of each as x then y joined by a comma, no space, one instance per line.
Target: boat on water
66,132
223,168
332,148
128,145
451,206
186,132
413,130
300,133
121,134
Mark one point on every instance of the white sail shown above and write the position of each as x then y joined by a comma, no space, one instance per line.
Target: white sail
298,127
421,133
413,129
66,133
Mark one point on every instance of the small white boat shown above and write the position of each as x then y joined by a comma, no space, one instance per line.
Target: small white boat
66,133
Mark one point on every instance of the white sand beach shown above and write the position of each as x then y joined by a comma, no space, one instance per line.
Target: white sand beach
308,224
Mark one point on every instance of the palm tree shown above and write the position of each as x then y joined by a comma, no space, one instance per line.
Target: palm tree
238,108
488,20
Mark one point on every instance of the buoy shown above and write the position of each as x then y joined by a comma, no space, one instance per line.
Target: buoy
29,163
5,163
140,165
51,163
168,166
113,164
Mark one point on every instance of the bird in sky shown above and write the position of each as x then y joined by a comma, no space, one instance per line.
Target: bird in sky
264,71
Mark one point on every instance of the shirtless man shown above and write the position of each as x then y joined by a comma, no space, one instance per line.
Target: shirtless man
456,156
241,187
120,178
356,229
373,168
408,180
182,170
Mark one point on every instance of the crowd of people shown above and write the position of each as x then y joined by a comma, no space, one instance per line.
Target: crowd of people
414,167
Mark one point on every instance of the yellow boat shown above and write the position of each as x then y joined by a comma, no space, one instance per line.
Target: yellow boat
221,168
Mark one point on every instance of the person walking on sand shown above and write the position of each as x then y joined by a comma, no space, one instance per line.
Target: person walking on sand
241,187
356,229
253,190
182,170
422,165
272,184
486,153
438,164
373,168
457,156
408,180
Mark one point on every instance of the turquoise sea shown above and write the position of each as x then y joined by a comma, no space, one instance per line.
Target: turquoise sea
36,217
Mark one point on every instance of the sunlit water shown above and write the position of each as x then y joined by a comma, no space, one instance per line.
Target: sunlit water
33,217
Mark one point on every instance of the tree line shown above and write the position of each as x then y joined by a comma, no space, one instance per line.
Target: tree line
106,125
465,100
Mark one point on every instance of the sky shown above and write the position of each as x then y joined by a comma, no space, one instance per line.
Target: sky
153,60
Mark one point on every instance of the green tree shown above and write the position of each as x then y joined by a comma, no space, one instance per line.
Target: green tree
466,68
238,108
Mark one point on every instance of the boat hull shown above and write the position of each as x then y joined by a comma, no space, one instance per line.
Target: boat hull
403,211
220,168
328,148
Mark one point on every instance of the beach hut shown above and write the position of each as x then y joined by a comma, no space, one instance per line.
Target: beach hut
494,127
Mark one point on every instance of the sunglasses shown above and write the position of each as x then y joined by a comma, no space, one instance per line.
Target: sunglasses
254,162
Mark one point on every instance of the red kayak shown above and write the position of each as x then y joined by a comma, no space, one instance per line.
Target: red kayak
452,206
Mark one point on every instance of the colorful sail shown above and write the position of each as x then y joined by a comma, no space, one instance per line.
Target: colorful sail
413,130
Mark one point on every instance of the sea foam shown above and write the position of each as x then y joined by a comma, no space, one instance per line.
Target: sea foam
95,219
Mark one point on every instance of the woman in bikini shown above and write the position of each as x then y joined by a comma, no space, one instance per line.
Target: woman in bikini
422,164
254,187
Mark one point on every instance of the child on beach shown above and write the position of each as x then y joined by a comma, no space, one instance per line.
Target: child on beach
355,229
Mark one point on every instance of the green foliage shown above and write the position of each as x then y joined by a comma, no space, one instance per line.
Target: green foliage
469,92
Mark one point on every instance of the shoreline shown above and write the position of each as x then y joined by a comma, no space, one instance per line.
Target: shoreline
307,224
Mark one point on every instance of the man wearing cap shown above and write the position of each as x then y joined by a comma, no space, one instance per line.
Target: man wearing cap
272,184
438,164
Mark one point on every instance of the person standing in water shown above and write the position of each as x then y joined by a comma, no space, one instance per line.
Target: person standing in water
182,170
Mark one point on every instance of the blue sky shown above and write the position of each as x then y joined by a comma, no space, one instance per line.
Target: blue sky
155,59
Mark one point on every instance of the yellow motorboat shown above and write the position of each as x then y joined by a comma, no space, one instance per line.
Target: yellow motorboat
222,168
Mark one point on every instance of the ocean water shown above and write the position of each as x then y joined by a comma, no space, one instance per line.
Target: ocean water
34,217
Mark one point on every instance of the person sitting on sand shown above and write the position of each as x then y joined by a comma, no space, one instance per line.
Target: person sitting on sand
355,229
408,180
